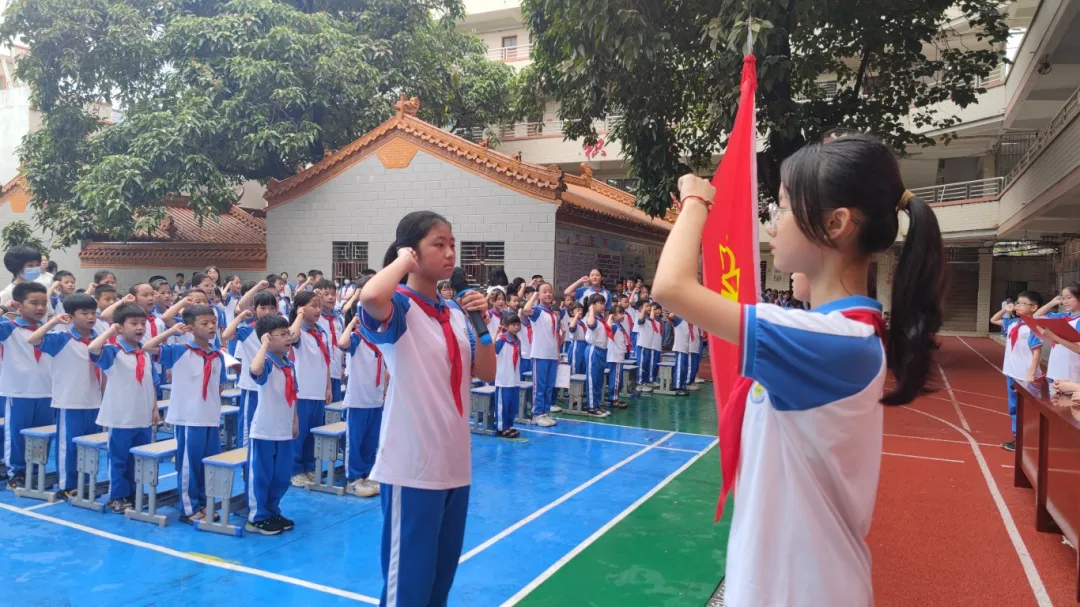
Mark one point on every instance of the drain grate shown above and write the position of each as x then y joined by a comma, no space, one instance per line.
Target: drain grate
717,599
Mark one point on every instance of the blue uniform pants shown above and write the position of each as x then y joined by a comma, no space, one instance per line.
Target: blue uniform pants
1012,401
644,366
361,441
423,532
337,392
193,443
525,366
270,465
310,415
71,424
544,373
614,380
20,414
695,364
681,374
578,362
122,462
249,401
654,373
506,403
594,370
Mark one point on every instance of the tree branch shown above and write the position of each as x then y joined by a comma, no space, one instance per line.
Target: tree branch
864,64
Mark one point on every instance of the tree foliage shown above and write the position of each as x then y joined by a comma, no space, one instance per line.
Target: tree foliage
672,70
215,93
19,232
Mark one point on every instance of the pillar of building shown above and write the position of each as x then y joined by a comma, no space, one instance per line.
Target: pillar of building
886,268
986,279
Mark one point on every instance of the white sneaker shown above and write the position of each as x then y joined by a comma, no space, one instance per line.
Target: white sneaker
300,480
362,488
693,387
545,421
699,381
311,477
555,409
644,389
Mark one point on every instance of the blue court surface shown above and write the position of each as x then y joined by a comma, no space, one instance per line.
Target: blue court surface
533,501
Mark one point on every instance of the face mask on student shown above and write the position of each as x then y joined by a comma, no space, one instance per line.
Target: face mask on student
348,282
31,273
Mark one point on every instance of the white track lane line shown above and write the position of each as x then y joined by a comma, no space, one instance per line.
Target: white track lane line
566,558
955,403
569,494
1032,573
980,354
45,505
602,440
933,459
582,421
196,558
940,440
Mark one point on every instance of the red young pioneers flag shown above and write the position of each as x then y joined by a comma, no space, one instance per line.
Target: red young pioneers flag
730,261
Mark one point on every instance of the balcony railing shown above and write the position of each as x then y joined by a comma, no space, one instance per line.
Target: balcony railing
1057,123
526,130
829,87
965,190
510,53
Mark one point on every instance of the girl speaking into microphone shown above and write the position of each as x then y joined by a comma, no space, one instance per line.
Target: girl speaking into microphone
423,464
812,432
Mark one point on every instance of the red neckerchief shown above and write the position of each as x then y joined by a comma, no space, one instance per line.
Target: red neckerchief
655,326
153,326
528,331
731,415
140,361
1014,333
331,320
86,341
607,328
691,332
619,327
290,382
208,366
32,328
378,356
516,344
315,333
554,333
453,351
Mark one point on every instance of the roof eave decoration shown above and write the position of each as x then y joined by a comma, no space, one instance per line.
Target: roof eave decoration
531,179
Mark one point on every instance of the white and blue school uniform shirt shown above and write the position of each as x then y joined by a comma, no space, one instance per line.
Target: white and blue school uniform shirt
333,327
278,389
27,373
367,375
582,294
1064,363
425,439
1019,343
810,456
545,334
197,376
507,361
100,326
283,306
618,349
77,382
130,393
494,322
311,358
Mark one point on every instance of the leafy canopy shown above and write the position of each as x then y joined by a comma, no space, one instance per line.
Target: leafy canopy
215,93
672,69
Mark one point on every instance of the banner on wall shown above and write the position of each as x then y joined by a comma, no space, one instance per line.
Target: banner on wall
578,251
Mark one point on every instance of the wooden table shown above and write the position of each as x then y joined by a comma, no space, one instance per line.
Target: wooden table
1048,459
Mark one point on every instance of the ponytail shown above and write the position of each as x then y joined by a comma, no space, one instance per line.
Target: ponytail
919,286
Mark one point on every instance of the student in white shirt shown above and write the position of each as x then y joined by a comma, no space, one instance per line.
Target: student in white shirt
242,331
1023,350
526,337
697,342
542,343
1064,363
617,352
683,333
128,407
105,295
507,375
24,263
649,340
817,412
496,308
25,383
333,327
429,349
596,356
198,373
578,332
565,314
76,382
364,402
587,286
275,427
312,358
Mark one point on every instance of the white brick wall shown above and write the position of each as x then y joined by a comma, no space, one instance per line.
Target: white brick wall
366,201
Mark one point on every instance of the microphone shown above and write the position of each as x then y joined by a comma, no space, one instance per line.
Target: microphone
461,285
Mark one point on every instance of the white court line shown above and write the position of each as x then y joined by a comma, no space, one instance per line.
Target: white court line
963,404
979,353
1032,573
582,421
955,403
603,440
935,459
1061,470
45,505
576,490
941,440
196,558
163,476
540,579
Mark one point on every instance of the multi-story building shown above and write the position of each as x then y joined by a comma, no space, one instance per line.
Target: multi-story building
1006,188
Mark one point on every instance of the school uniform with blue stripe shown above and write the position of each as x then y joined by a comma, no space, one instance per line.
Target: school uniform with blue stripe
311,365
271,444
76,396
544,350
595,362
363,402
812,433
424,461
26,385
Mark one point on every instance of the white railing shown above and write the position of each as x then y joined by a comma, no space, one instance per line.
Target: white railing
829,87
525,130
996,76
510,53
964,190
1064,116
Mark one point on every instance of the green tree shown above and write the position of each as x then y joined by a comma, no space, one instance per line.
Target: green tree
215,93
19,232
672,69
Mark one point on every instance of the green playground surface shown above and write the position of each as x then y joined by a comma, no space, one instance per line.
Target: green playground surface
667,551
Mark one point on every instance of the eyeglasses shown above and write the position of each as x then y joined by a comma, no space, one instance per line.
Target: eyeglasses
775,211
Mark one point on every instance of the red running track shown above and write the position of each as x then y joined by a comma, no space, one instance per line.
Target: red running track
949,528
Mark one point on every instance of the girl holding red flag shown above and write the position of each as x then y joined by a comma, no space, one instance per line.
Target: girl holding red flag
811,438
312,358
424,464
